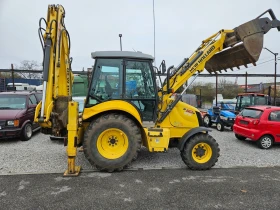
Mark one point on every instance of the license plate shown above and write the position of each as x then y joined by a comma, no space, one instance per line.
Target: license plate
243,122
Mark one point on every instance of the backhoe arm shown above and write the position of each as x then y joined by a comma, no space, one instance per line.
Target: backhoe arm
240,46
57,114
52,112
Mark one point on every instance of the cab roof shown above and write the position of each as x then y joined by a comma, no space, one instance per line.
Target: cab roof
121,54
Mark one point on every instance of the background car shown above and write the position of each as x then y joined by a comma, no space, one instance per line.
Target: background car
260,124
17,110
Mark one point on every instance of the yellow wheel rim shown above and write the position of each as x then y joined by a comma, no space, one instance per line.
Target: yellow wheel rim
112,143
201,152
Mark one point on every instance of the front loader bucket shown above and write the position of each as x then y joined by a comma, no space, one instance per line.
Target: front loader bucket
244,45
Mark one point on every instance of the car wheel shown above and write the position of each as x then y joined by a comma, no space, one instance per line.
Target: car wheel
240,137
207,121
26,132
265,142
220,127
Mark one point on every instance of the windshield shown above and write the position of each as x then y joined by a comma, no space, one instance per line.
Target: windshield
250,100
12,102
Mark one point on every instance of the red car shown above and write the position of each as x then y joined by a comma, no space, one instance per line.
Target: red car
17,110
260,124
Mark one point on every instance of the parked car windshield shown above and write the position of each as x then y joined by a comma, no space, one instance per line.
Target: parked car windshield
251,113
12,102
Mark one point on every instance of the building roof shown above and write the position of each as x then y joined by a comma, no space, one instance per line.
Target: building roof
121,54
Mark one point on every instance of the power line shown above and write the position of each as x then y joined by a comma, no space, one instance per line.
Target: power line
259,64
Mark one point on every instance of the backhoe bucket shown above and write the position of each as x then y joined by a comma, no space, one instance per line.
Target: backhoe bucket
244,45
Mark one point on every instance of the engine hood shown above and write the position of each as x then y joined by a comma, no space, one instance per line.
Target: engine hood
8,114
227,114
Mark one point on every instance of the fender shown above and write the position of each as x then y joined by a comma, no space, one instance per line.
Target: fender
112,105
190,133
25,122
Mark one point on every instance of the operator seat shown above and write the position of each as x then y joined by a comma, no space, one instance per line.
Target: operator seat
216,110
108,88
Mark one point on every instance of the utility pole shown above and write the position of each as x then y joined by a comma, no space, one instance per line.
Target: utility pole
246,83
120,35
13,76
216,89
275,62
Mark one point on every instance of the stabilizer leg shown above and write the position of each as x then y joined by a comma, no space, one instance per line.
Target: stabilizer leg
72,141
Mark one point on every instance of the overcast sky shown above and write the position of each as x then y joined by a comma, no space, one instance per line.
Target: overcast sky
95,25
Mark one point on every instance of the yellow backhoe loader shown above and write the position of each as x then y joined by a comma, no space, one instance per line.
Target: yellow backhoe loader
123,95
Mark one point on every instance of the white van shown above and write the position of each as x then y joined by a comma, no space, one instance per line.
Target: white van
20,86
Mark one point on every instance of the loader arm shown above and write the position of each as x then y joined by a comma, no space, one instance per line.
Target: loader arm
224,49
52,112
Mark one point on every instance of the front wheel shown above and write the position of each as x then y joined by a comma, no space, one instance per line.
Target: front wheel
201,152
111,142
220,126
26,132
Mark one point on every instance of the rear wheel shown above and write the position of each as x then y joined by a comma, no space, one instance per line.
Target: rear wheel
220,126
201,152
111,142
239,137
265,142
26,132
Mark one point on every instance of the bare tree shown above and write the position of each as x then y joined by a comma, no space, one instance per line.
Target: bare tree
31,65
228,88
9,75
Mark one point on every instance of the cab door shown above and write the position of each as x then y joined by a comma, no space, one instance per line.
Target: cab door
140,88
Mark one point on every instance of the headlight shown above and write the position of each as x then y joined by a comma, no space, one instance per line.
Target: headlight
223,118
13,122
10,123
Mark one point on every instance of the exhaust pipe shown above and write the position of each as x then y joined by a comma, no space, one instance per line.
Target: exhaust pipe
244,45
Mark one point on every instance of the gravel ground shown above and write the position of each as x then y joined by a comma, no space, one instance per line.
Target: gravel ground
41,155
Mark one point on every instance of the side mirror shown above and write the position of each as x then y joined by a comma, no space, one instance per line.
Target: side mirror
162,67
168,78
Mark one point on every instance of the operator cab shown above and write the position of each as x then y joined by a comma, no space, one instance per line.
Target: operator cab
124,75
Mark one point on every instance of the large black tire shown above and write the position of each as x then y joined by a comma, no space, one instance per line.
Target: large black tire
102,136
265,142
240,137
200,143
207,120
26,132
